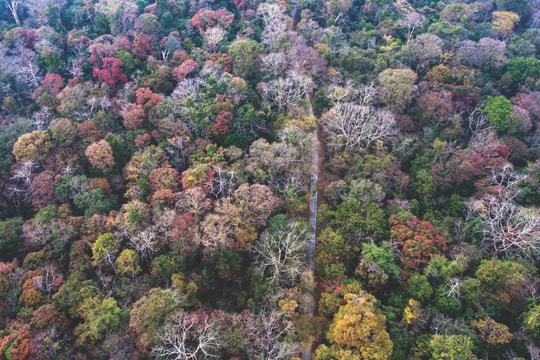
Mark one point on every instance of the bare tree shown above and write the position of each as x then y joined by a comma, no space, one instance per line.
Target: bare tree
274,64
179,149
145,242
286,92
275,27
212,38
13,7
27,70
224,182
352,127
413,20
506,227
509,229
42,117
534,22
194,201
189,336
282,253
48,282
273,342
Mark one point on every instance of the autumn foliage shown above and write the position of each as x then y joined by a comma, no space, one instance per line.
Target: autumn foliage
110,72
417,240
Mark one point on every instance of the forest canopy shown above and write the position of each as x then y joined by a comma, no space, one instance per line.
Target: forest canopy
272,180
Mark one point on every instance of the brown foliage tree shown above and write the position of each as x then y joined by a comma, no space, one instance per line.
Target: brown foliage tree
100,155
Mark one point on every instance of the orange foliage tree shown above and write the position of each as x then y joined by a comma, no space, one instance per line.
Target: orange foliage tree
100,155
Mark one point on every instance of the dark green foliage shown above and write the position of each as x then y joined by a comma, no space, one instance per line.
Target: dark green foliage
525,71
10,238
94,202
8,137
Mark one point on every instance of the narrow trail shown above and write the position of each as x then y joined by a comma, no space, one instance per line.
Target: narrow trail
314,169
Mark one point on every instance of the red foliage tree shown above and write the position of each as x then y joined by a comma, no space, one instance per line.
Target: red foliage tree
51,84
184,230
88,131
205,18
142,140
110,72
147,98
43,189
224,107
141,46
225,60
417,240
187,67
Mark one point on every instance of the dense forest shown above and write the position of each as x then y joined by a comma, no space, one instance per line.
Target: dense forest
214,179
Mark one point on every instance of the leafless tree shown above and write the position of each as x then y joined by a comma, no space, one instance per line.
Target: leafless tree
213,37
413,20
145,242
352,127
188,337
282,253
22,175
534,22
194,201
510,229
454,285
274,64
506,227
288,91
534,351
48,282
275,27
13,7
27,70
42,117
273,337
224,182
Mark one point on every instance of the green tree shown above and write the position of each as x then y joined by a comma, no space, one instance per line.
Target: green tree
451,347
532,321
101,316
245,54
395,87
104,248
128,263
95,201
498,110
525,71
10,237
150,313
377,264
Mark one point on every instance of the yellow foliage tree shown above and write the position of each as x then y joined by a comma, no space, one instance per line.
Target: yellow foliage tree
493,332
33,146
504,21
359,326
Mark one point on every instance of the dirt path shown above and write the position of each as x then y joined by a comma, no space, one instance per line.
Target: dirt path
315,169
